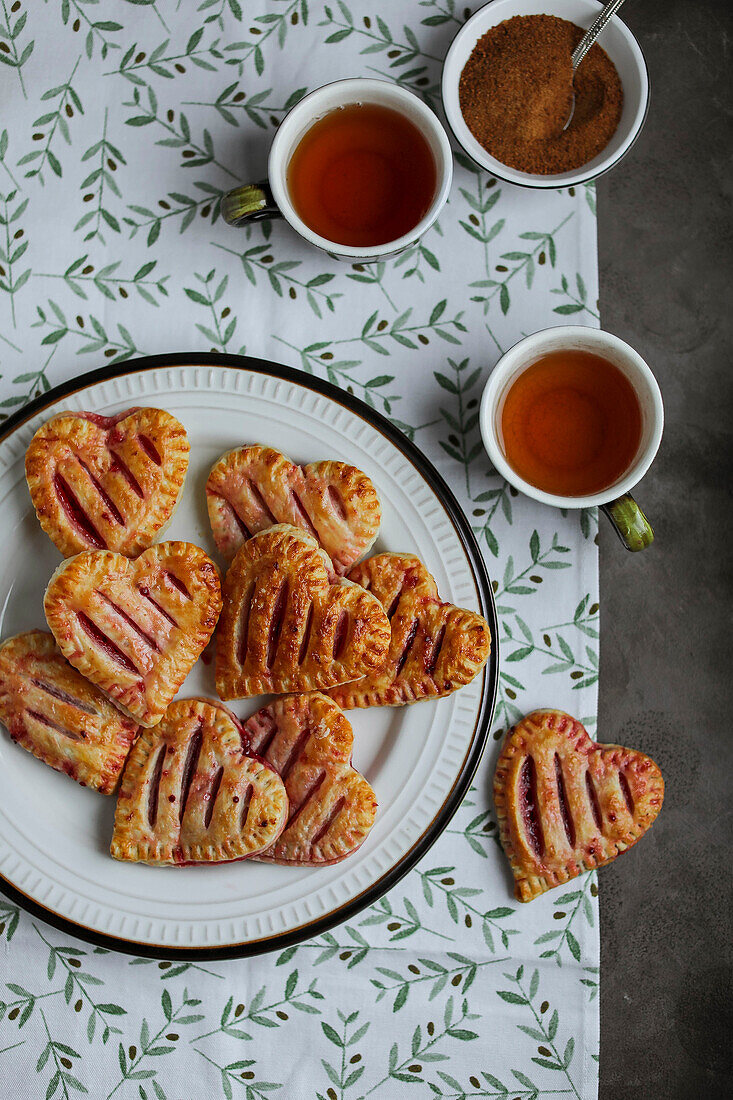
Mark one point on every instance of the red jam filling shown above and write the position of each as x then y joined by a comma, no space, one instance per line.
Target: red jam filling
340,635
119,466
308,796
149,641
562,799
154,789
107,422
295,752
626,790
145,593
211,797
276,624
105,644
76,515
150,449
260,500
106,498
431,658
189,767
337,502
306,636
528,807
304,517
64,697
593,800
328,822
406,651
46,721
178,584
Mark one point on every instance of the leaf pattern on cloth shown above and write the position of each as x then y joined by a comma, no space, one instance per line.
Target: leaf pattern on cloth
124,124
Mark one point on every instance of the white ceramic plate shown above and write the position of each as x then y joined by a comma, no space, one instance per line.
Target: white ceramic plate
54,835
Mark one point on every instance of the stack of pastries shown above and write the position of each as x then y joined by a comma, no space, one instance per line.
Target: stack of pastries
300,616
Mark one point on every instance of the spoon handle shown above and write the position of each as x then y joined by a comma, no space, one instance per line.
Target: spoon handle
593,31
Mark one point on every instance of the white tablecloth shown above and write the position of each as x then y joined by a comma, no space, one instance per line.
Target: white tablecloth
121,124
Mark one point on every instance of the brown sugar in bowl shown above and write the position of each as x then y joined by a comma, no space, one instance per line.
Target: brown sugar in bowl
617,42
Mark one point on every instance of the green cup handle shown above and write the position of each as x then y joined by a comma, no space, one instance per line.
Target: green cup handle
632,526
250,203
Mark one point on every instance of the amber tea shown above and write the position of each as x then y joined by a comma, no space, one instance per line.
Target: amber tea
571,423
362,175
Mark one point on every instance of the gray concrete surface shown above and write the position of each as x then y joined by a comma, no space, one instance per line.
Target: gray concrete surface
666,287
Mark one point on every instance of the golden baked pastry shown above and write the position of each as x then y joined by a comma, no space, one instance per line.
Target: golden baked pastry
53,712
107,482
566,804
135,628
435,648
255,487
309,741
284,628
192,794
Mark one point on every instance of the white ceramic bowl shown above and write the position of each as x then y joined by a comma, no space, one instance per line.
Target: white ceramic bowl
618,42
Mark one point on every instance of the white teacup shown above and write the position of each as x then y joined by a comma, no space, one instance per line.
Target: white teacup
627,517
271,199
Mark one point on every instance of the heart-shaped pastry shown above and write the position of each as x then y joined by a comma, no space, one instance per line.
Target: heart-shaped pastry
135,628
256,487
54,713
435,648
285,628
191,793
566,804
107,482
308,740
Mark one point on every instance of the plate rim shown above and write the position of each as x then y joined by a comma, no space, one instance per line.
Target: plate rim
490,674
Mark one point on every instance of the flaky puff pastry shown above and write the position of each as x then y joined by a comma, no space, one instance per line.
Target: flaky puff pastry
285,628
565,804
135,627
58,716
309,741
107,482
255,487
435,647
191,793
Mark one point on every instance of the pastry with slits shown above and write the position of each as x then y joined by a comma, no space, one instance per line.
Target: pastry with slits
58,716
285,628
192,793
135,628
309,741
435,647
107,482
255,487
566,804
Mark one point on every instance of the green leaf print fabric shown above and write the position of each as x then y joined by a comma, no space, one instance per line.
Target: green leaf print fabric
122,124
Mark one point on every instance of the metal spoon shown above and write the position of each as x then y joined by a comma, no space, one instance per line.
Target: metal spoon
587,41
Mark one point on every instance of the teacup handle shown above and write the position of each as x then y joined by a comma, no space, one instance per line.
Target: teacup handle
249,203
632,526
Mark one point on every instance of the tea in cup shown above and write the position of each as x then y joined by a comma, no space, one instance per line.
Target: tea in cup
361,168
573,417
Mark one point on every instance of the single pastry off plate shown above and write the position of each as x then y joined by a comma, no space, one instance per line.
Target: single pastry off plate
107,482
255,487
191,792
566,804
309,741
285,628
435,647
59,716
135,628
